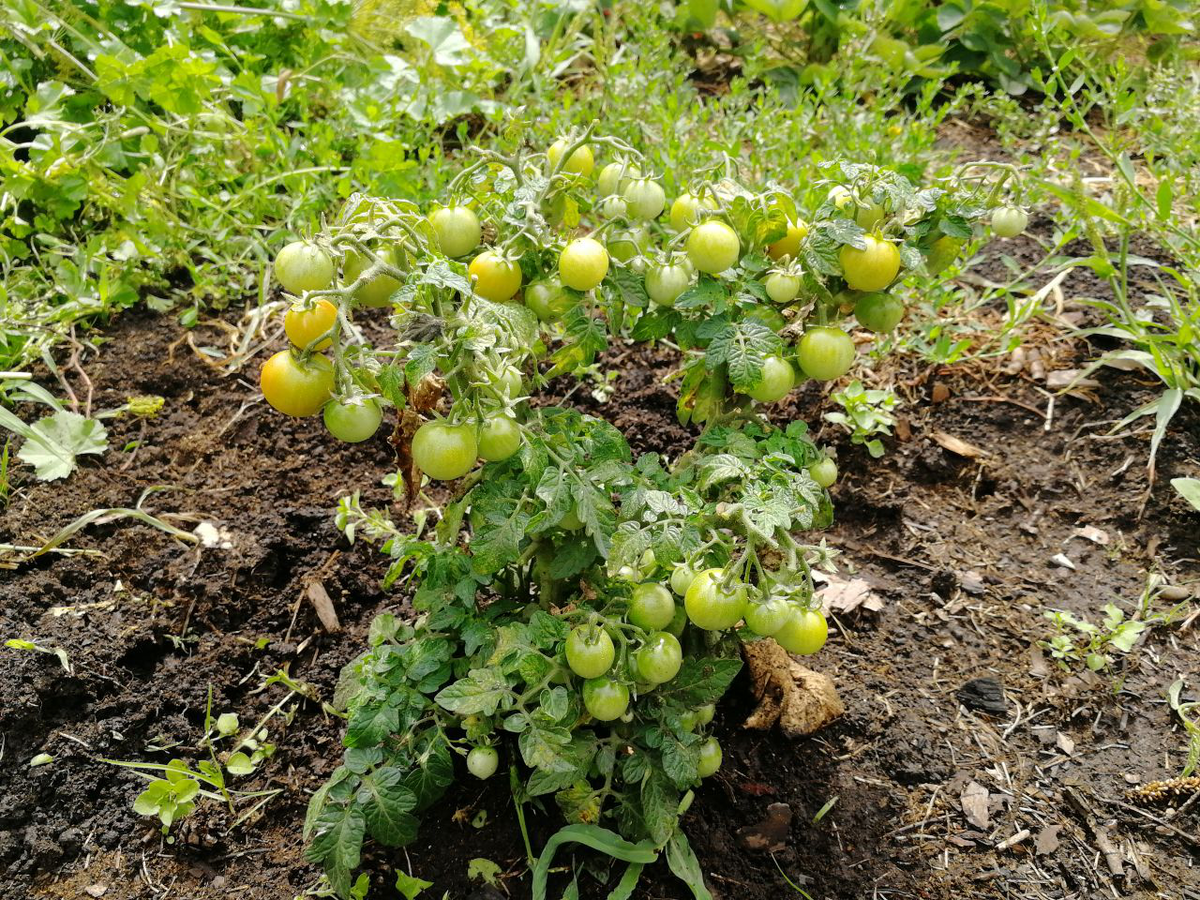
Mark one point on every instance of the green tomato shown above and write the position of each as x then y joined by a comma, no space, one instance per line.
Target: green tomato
570,520
506,384
705,713
879,312
457,230
766,316
495,278
825,353
548,300
583,264
710,758
688,721
776,382
824,472
302,266
590,651
614,177
713,247
685,210
678,622
768,617
353,422
804,632
664,284
581,162
659,659
782,288
378,291
444,451
789,244
942,253
482,762
605,699
644,199
682,577
1009,221
294,386
869,215
651,607
627,245
870,269
614,208
499,438
713,606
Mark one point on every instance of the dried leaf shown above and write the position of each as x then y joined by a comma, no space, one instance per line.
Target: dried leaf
325,612
842,596
771,834
1047,840
800,700
1093,534
957,445
974,800
1069,378
1065,744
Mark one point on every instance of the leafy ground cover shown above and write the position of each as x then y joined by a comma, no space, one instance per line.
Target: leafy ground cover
221,684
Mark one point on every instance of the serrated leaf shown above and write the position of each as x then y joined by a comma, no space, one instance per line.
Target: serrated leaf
680,761
743,346
52,444
660,807
541,748
370,723
701,681
629,287
481,692
386,802
337,837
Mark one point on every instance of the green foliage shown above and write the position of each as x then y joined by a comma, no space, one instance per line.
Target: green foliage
867,413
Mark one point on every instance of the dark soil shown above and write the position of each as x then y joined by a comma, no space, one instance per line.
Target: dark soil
959,548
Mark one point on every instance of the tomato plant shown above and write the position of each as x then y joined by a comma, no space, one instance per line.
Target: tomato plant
541,604
1009,221
879,311
301,266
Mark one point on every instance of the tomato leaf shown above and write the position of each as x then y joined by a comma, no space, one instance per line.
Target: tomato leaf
386,803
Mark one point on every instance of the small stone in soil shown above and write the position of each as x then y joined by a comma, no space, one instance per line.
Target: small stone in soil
984,694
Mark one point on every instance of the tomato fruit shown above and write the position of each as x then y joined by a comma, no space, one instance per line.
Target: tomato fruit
457,229
506,384
614,177
444,451
614,207
768,617
664,284
804,632
499,438
776,382
625,245
840,196
685,210
869,215
688,721
1008,221
824,472
678,622
651,607
713,247
871,269
766,316
303,326
378,291
583,264
705,713
590,651
581,162
710,758
301,266
482,762
605,699
495,278
682,577
714,606
659,659
789,244
942,252
644,199
782,288
879,311
295,387
825,353
548,300
353,422
570,520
